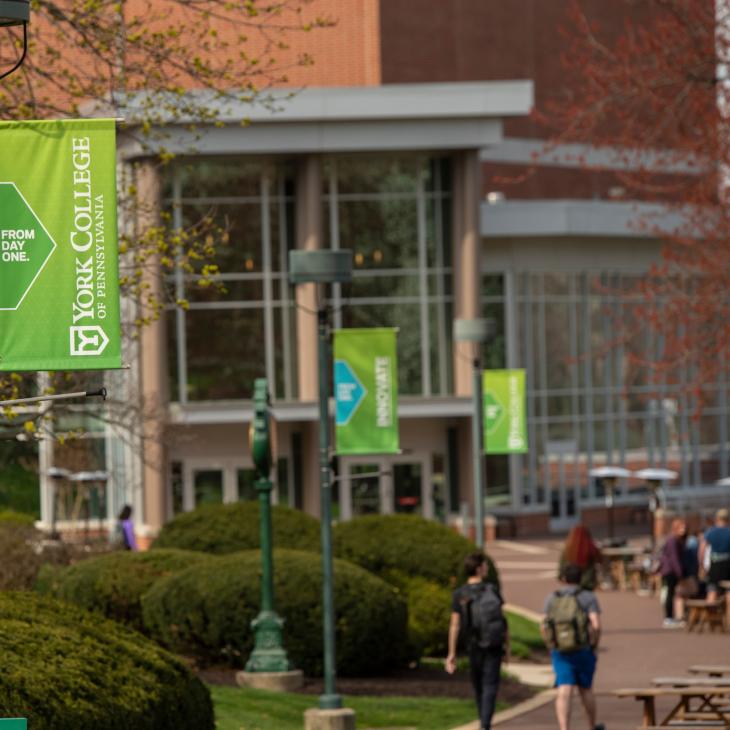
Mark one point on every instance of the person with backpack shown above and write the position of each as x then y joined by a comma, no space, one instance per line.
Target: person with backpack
572,629
477,618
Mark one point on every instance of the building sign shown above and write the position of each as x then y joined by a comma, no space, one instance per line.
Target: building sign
14,724
366,391
59,282
505,425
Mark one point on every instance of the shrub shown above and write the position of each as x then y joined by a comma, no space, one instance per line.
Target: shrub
10,516
384,544
429,606
113,584
207,613
230,528
66,668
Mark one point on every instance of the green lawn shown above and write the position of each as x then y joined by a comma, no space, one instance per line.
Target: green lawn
249,709
524,636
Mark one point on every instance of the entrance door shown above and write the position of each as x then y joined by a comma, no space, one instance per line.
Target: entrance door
559,476
386,484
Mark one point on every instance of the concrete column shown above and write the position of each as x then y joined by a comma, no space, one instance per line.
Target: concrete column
152,361
466,259
310,468
309,238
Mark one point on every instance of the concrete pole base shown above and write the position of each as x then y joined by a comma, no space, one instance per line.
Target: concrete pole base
273,681
341,719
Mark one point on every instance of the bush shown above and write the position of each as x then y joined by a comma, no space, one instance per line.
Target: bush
65,668
207,613
429,608
230,528
406,544
113,584
9,516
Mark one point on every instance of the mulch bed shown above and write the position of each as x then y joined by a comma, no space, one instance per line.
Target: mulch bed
417,682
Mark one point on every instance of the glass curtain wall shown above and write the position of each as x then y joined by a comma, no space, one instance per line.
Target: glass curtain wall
394,213
591,401
245,328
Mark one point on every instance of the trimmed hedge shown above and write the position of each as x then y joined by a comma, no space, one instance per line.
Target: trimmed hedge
231,528
114,584
10,516
66,668
407,544
429,606
207,613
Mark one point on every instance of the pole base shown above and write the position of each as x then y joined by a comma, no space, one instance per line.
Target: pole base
273,681
340,719
268,654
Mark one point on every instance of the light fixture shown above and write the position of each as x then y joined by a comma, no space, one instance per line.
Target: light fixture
15,12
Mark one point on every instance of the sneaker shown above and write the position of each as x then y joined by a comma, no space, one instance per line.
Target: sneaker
670,623
600,727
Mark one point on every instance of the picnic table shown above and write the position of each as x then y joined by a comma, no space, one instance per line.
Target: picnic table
696,680
712,670
618,559
700,707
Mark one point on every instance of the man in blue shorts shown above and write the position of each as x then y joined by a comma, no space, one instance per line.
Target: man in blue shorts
572,629
717,541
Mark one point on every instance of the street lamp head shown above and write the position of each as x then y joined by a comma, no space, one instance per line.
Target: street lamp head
14,12
474,330
320,267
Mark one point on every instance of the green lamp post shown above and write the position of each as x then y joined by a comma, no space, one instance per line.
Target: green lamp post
268,654
324,267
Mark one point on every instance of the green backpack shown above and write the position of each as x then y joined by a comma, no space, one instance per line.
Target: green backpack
567,623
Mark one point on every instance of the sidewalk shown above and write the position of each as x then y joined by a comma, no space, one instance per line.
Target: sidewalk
634,647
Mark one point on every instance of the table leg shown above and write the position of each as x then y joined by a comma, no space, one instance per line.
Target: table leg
649,711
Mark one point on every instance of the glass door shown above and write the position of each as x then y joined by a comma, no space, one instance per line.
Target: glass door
365,490
408,488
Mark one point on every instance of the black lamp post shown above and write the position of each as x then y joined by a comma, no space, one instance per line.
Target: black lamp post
15,12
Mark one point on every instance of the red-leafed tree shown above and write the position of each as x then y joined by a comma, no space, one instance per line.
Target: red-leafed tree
657,95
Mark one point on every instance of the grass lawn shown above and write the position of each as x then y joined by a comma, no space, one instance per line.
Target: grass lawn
524,636
250,709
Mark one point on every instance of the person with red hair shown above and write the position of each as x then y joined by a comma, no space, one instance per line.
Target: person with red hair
580,550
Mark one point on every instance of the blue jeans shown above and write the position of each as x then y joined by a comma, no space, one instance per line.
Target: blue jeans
484,665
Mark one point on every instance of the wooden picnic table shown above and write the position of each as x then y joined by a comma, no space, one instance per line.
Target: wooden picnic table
713,670
696,680
618,558
710,710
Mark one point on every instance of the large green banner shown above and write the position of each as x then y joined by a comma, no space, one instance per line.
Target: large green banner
366,391
505,426
59,282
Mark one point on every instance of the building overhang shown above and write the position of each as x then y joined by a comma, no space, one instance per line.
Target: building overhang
523,218
400,117
208,413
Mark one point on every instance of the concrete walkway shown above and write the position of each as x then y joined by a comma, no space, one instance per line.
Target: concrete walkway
634,647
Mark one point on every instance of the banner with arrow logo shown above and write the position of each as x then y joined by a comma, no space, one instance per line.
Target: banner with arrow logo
59,281
366,391
505,427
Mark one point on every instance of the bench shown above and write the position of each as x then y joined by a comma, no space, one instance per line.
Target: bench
702,613
702,708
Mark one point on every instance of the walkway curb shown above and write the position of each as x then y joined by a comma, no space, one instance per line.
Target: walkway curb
534,703
524,612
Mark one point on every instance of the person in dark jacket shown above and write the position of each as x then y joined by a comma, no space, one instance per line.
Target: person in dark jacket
672,571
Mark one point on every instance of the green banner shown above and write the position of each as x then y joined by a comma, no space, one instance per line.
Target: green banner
505,425
59,281
14,724
366,391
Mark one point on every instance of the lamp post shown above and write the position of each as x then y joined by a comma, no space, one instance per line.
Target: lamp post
324,267
15,12
608,475
269,654
654,478
480,331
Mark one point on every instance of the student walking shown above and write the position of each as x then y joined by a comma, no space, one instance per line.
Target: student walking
572,629
716,543
476,615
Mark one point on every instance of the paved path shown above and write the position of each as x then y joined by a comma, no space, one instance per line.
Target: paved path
634,647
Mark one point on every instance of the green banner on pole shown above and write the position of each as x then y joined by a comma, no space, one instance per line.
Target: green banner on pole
14,724
505,425
366,391
59,281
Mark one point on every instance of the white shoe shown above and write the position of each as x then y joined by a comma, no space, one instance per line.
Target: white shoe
670,623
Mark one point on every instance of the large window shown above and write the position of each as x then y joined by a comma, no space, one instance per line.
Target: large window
244,327
394,214
591,398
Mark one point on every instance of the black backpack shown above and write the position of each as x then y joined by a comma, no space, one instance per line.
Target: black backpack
485,623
